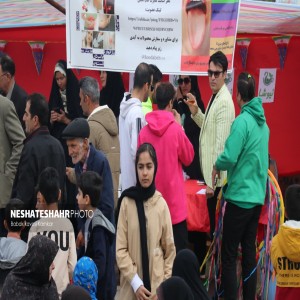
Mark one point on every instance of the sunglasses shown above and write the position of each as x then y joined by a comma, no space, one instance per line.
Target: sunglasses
185,80
151,88
215,73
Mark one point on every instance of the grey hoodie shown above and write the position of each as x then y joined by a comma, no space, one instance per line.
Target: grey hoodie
11,251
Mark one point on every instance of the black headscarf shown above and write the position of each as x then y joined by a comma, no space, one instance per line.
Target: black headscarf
113,92
30,278
192,130
175,288
187,267
140,195
73,99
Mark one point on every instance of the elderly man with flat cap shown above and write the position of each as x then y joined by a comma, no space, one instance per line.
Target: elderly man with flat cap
86,158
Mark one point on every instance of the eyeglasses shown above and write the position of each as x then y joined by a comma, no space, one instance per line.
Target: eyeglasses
215,73
185,80
151,88
3,74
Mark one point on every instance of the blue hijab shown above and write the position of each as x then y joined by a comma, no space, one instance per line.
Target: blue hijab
86,275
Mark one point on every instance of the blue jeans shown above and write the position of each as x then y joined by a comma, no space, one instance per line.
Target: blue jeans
239,226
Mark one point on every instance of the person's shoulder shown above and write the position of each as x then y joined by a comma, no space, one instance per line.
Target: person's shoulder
55,142
5,101
6,105
127,203
57,224
137,113
65,223
224,93
159,200
98,154
20,91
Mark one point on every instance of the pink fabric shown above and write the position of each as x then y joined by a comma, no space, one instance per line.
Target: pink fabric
173,149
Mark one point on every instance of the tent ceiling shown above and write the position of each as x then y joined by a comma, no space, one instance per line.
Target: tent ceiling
255,16
28,13
269,18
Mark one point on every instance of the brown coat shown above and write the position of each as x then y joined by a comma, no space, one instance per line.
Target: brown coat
161,248
11,145
104,137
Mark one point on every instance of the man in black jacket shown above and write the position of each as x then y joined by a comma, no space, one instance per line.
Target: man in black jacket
9,88
40,150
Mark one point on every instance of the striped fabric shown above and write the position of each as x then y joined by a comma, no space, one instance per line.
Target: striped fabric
26,13
269,17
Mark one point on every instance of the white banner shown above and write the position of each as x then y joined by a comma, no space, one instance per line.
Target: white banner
266,87
176,35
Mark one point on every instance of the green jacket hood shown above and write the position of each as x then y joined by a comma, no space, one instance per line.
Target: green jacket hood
255,109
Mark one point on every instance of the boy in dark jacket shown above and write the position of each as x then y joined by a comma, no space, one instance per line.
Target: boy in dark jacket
99,234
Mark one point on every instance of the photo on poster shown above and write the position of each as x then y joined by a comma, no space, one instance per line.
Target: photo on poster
92,6
89,21
109,7
109,41
98,39
106,22
196,18
87,39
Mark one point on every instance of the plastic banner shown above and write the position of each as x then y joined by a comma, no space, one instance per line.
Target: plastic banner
177,36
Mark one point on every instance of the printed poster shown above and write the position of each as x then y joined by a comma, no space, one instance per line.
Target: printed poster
176,35
266,87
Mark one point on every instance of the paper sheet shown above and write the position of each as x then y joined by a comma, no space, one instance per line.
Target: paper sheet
201,192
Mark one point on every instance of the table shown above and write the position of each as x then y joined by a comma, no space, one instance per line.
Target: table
197,218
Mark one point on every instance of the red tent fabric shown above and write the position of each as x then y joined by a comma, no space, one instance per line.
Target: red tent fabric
282,115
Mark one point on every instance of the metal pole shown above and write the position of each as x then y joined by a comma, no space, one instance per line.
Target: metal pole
57,6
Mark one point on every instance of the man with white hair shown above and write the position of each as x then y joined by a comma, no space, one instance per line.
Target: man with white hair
86,158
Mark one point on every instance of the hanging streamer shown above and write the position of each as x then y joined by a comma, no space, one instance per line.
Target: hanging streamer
282,44
243,45
2,46
272,217
38,53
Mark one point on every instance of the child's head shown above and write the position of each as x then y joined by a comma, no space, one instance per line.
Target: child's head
145,165
13,224
86,275
48,190
89,189
292,202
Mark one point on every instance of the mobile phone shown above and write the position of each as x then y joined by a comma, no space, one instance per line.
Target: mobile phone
56,109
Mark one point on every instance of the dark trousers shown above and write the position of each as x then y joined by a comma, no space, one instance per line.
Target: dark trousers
239,226
180,234
211,206
198,240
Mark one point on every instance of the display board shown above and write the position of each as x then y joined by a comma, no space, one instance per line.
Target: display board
179,36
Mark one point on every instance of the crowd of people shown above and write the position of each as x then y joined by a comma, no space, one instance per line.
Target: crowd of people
118,168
